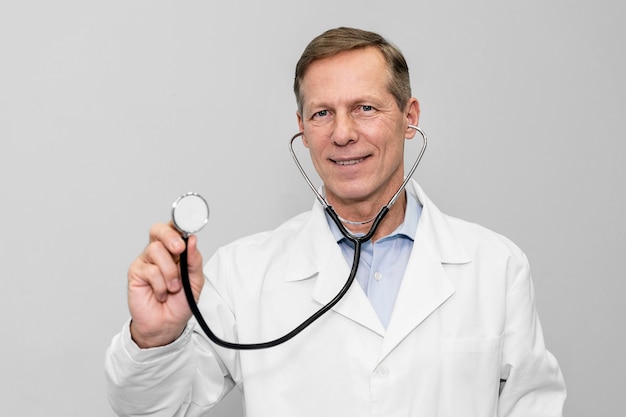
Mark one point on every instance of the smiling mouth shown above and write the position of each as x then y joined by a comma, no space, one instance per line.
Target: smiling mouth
349,161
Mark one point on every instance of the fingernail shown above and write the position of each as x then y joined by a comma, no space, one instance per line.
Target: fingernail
174,285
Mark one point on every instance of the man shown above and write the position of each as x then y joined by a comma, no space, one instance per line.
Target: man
442,323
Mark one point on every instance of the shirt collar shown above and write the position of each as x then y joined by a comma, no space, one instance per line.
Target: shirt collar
406,229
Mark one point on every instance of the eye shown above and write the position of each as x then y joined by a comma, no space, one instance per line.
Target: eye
366,107
321,113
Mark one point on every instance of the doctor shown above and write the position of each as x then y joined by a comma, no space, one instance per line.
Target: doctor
441,323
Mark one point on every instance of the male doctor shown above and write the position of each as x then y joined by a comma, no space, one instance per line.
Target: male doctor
441,323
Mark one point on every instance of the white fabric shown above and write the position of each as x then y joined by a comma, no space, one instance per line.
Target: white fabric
464,320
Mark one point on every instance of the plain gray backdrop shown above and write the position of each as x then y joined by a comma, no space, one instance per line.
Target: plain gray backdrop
109,110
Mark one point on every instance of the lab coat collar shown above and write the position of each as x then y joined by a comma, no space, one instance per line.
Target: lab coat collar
425,286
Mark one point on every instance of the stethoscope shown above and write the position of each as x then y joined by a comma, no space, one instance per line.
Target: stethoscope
190,213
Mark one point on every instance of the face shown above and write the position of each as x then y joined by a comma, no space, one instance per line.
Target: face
353,127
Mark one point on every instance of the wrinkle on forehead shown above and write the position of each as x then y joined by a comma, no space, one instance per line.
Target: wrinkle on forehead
332,83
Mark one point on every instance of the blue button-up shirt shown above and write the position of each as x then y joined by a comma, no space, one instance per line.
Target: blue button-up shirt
383,262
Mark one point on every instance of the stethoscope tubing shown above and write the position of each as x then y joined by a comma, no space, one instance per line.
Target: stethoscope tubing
357,240
262,345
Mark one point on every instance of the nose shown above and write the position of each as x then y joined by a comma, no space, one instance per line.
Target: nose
344,130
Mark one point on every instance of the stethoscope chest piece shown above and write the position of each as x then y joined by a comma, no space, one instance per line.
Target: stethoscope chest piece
190,213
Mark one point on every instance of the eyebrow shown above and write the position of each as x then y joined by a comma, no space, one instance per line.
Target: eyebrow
368,98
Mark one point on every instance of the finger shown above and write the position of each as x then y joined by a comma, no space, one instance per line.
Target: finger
165,262
169,236
194,257
145,276
195,265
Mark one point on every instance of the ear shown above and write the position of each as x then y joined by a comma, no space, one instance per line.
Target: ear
412,112
301,127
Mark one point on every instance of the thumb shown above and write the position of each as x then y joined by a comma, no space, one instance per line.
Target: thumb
194,266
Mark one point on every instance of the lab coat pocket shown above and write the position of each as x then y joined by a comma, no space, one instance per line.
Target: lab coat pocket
470,376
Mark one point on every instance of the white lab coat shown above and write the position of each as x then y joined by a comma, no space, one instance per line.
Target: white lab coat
464,320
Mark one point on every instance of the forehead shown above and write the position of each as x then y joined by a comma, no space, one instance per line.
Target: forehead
350,70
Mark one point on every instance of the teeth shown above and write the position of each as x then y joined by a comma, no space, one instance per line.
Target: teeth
350,162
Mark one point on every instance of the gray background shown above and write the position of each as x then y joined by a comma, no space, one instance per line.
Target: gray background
109,110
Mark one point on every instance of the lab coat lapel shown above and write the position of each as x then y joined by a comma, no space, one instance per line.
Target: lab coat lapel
425,286
354,305
315,254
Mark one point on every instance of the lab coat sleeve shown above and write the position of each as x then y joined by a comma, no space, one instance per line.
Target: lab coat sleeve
184,378
533,385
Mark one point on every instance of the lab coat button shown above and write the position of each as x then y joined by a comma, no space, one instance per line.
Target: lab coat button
382,371
378,276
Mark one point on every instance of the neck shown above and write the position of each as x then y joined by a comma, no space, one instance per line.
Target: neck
360,218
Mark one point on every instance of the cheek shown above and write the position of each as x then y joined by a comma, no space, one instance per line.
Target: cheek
394,152
313,142
309,136
314,151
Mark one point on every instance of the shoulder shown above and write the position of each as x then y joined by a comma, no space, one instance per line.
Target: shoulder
267,243
448,231
490,250
249,261
284,231
476,235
